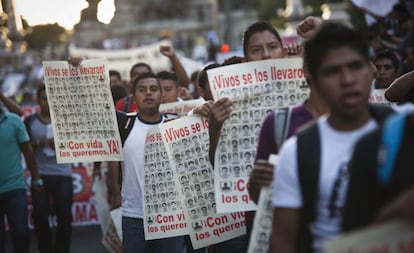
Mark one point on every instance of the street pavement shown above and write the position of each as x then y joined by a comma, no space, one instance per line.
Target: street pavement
86,239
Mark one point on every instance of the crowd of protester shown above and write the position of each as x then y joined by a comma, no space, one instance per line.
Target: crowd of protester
316,197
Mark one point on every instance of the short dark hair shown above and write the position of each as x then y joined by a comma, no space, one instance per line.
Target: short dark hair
115,73
232,60
332,35
259,26
143,76
388,54
167,75
202,75
139,64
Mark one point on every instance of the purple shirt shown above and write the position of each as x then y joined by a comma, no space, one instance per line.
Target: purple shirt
267,145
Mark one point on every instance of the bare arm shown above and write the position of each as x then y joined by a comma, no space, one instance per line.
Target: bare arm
262,175
26,149
219,112
284,230
179,70
113,180
11,105
400,87
400,207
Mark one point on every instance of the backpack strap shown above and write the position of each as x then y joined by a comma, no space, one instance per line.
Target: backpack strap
281,125
125,124
308,157
391,138
127,103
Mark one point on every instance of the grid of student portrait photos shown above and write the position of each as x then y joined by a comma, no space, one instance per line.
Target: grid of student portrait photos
262,228
81,108
160,194
195,177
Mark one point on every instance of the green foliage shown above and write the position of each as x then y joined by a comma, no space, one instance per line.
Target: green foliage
41,35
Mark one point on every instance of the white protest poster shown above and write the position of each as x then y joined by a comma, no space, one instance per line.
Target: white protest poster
123,59
263,219
187,142
163,213
110,238
82,112
116,216
391,237
255,88
181,108
377,96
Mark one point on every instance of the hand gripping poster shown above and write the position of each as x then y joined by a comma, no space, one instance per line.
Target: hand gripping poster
163,212
187,141
82,112
181,108
255,88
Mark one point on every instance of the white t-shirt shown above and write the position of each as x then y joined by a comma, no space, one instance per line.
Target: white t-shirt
336,151
133,169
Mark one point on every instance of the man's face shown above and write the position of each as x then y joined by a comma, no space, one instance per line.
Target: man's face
386,73
344,80
114,80
169,91
264,45
147,94
42,101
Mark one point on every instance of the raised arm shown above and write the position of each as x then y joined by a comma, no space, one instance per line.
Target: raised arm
11,105
179,70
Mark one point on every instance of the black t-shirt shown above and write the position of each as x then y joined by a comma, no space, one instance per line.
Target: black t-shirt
366,195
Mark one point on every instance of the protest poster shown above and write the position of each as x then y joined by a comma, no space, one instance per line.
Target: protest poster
110,238
377,96
82,112
263,219
390,237
187,143
123,59
255,88
116,216
163,213
181,108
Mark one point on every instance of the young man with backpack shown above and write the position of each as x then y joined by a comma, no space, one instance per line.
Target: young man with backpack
133,130
382,179
57,191
312,174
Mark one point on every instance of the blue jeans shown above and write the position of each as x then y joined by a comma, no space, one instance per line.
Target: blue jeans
57,195
13,204
133,239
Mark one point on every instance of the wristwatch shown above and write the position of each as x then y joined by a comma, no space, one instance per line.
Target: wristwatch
38,182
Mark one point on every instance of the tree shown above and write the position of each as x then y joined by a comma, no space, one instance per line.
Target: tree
38,37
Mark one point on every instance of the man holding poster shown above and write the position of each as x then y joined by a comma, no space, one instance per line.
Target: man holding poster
147,93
